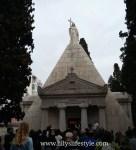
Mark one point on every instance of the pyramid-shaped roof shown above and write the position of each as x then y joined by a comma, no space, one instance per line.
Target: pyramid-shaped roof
74,59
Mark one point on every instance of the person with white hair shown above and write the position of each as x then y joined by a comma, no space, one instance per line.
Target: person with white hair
69,136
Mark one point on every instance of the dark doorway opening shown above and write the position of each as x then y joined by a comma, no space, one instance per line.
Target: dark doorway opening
73,123
73,117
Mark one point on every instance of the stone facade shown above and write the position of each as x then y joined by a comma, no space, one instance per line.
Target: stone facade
76,94
31,93
73,92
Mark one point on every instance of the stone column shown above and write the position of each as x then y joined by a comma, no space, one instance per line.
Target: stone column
130,113
45,119
84,118
62,118
102,117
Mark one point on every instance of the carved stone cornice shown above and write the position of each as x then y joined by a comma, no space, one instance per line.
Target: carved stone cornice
73,86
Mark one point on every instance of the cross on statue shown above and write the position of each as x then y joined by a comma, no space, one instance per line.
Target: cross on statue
70,21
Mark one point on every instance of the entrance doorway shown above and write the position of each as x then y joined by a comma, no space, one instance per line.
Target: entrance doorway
73,117
93,115
73,123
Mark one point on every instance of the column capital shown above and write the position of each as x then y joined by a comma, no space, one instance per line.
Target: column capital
83,105
61,106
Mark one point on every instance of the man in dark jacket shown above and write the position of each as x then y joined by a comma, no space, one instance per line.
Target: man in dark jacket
8,138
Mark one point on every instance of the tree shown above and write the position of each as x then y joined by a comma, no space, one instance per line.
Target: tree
128,55
16,45
85,46
114,81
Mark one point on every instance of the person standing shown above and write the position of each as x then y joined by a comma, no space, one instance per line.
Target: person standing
22,140
8,138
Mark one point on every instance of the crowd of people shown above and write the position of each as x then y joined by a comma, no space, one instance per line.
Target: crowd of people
71,139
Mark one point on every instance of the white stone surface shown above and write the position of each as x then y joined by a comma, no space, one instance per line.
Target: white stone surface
32,88
44,119
33,115
117,120
84,118
74,59
62,119
102,117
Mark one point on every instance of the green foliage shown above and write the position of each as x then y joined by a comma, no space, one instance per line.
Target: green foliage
16,45
85,46
128,55
114,81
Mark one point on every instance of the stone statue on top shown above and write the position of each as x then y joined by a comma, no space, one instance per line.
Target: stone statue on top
73,32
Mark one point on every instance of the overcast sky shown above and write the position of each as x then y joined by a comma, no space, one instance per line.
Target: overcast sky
98,21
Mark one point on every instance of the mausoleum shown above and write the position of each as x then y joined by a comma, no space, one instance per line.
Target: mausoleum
75,94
